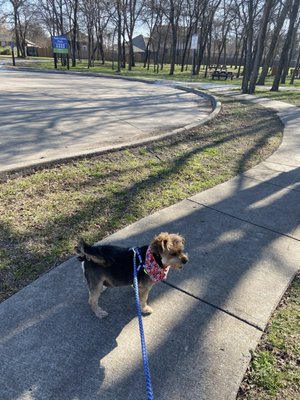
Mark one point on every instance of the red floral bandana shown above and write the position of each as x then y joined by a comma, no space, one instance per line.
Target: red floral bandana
152,268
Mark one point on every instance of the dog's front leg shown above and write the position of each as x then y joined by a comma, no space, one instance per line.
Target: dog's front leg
144,289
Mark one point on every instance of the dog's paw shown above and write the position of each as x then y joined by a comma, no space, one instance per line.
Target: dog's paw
147,310
101,313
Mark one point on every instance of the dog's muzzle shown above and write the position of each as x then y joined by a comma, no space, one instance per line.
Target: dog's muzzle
184,259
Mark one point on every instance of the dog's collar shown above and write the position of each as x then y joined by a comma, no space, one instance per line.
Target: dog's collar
153,269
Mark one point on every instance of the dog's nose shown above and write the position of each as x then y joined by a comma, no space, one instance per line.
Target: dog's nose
184,260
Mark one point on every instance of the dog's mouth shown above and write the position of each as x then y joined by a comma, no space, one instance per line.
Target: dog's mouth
174,262
176,266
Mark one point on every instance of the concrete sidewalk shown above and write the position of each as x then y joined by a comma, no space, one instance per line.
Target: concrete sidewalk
243,240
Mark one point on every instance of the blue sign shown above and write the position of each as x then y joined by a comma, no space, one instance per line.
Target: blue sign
60,44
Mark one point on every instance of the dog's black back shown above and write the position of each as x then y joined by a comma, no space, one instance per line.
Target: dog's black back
113,265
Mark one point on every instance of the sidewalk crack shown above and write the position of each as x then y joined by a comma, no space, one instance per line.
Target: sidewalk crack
245,220
215,306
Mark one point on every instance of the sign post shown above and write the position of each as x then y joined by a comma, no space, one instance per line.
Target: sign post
194,42
12,49
60,45
194,46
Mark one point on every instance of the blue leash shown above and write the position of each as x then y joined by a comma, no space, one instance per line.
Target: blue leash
139,313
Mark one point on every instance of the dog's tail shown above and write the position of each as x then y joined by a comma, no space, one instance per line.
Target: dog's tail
87,252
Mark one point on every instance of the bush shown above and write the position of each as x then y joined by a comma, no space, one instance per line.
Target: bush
5,52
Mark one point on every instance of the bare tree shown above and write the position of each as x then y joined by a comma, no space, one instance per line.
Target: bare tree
21,14
295,69
257,59
248,11
207,10
274,40
290,53
236,39
287,43
53,15
72,11
132,11
225,18
89,12
120,30
172,10
152,16
189,15
105,10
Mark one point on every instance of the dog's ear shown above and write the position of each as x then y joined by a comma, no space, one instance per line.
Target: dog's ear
178,240
160,243
87,252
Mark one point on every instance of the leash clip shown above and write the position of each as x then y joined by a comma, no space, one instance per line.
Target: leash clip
136,252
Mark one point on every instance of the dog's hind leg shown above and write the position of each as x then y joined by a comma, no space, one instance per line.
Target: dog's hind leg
94,294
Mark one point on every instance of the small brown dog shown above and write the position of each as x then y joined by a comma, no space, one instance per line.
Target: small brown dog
111,266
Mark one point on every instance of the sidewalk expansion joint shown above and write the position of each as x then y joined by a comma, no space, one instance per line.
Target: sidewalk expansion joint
245,220
215,307
289,189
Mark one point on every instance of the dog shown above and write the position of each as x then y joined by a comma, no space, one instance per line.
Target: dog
111,266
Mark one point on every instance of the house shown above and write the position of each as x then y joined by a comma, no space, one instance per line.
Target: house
31,48
140,43
82,42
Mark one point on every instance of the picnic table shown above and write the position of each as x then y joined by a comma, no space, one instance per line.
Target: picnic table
222,75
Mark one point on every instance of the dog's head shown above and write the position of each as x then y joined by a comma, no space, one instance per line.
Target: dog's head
170,248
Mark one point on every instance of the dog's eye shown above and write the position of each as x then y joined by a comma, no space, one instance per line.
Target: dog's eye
173,253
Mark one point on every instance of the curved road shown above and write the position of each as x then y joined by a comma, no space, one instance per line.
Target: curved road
49,116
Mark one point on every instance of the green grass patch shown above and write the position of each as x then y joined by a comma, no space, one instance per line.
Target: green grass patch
5,51
289,96
265,374
139,71
274,372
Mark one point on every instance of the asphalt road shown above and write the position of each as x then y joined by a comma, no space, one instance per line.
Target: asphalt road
48,116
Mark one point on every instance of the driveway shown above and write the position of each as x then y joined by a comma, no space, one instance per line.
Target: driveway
49,116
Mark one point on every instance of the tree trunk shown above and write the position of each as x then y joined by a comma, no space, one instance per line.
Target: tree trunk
208,55
16,31
174,37
248,49
241,61
147,54
295,70
185,50
119,29
74,34
274,40
260,45
286,46
291,51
